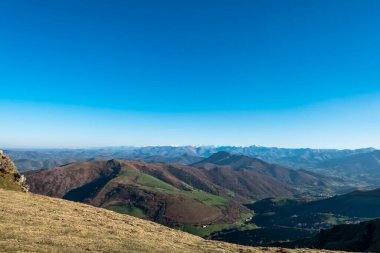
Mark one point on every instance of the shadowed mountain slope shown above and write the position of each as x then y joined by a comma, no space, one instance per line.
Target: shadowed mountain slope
362,237
354,204
351,207
285,219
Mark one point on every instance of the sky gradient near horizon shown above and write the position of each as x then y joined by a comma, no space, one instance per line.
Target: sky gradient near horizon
288,73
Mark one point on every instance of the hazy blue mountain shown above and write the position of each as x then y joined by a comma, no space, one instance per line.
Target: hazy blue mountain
292,158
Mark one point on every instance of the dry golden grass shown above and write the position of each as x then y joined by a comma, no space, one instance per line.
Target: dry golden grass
33,223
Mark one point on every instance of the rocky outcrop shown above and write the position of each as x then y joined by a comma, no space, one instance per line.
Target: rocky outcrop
10,178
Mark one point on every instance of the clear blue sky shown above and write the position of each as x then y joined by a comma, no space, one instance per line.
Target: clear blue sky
290,73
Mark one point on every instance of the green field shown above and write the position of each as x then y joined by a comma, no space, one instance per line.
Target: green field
147,180
246,215
204,197
130,210
158,185
130,173
334,219
230,193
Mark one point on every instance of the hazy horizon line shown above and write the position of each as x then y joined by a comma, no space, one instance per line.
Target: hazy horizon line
173,146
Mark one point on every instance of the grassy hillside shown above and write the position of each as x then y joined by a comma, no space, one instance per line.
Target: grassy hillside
31,223
270,179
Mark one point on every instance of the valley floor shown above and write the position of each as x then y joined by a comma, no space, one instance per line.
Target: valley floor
33,223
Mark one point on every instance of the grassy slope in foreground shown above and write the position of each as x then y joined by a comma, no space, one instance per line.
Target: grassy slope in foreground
34,223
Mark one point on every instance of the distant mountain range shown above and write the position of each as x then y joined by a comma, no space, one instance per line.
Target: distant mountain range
353,168
364,167
293,158
271,154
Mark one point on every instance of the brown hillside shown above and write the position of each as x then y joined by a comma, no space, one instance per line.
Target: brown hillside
248,184
173,195
59,181
32,223
200,199
282,179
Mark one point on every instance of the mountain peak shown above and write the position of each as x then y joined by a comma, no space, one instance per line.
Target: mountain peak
226,158
220,155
